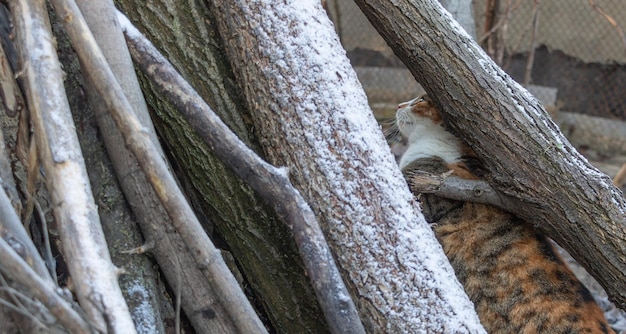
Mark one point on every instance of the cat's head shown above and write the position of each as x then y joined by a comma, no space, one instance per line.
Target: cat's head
416,113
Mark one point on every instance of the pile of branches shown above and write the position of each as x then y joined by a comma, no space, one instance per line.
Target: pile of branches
50,151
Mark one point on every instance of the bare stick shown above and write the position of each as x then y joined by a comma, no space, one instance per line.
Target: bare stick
14,267
271,182
533,43
611,21
207,257
455,188
93,273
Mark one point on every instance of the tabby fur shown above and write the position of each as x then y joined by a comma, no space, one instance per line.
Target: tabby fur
517,282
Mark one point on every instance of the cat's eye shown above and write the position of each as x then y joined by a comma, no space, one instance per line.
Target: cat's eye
418,100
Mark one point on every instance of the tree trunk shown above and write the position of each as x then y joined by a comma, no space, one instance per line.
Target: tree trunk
262,246
313,117
566,197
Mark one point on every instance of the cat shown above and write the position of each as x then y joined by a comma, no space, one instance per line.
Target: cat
511,273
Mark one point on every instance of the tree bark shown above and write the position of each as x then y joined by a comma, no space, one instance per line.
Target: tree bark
270,182
263,247
85,248
566,197
140,281
205,255
313,117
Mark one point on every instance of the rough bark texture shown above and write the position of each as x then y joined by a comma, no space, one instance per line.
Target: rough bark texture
206,257
122,233
313,117
85,248
270,182
565,196
255,237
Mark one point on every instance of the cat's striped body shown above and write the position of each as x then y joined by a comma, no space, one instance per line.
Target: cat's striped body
510,271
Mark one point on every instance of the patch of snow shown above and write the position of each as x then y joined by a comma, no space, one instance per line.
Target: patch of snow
143,313
395,258
447,17
44,74
128,27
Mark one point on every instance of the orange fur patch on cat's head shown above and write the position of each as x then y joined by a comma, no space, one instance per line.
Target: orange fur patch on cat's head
423,107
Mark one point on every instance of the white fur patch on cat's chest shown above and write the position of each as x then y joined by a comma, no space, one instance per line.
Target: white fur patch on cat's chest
429,142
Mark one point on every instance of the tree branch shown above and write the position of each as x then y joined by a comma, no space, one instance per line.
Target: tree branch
272,183
207,257
313,117
529,158
138,205
15,268
84,246
455,188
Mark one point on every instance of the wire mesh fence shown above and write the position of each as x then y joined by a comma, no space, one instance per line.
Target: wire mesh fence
570,53
576,47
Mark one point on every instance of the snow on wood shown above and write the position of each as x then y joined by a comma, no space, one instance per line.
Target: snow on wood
270,182
84,246
302,86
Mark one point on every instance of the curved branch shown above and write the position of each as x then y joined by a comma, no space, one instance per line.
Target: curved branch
271,182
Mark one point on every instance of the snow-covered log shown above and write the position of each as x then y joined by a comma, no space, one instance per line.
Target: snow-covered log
312,116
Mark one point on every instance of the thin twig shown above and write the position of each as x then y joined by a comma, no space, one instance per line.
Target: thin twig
47,250
15,268
18,306
506,17
619,178
24,312
533,44
11,228
611,21
490,17
4,285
